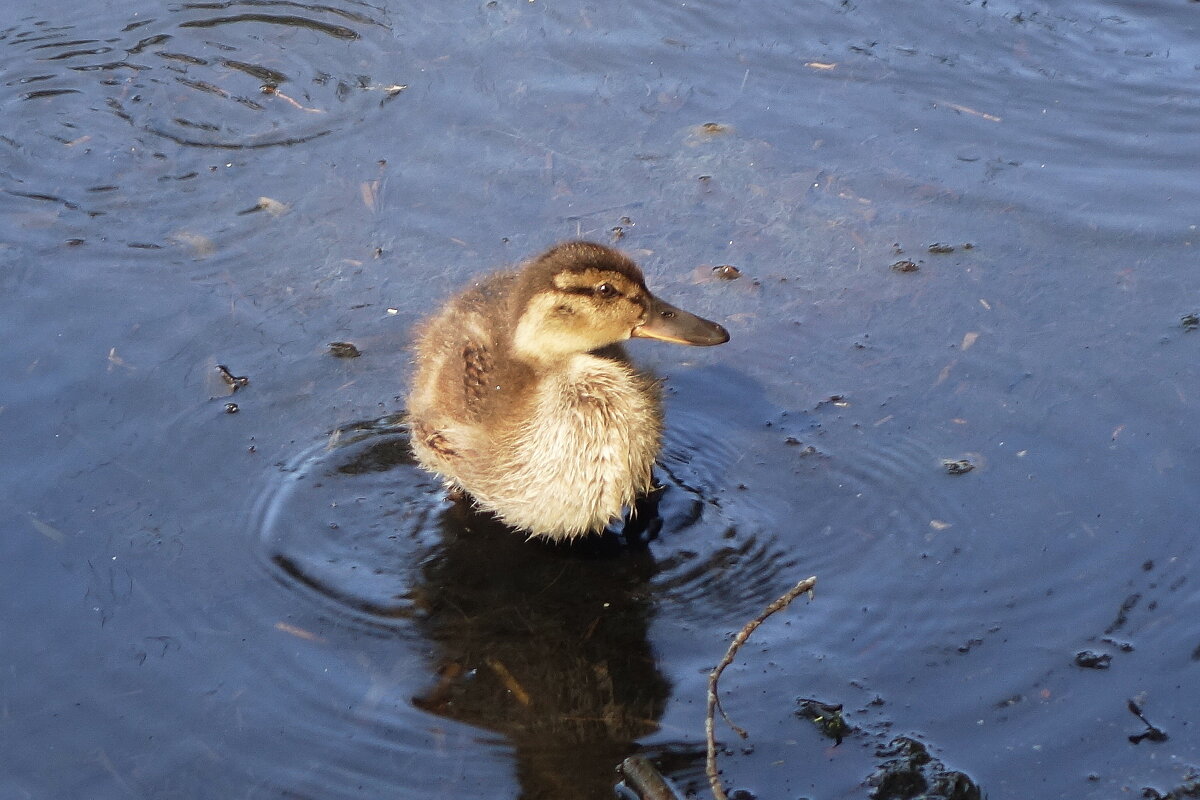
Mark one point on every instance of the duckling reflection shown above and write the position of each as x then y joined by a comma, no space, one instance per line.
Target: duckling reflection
523,398
546,644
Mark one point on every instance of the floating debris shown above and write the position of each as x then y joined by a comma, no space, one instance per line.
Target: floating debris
838,400
299,633
938,247
1090,659
46,529
1152,733
806,450
1191,785
234,382
968,645
1190,322
826,716
958,466
344,350
904,265
231,408
911,771
272,207
368,191
968,110
727,272
201,245
115,360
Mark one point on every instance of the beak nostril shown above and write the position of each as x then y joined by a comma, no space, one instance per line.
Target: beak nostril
668,314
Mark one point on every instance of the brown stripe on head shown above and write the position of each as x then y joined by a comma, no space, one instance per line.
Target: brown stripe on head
580,257
585,281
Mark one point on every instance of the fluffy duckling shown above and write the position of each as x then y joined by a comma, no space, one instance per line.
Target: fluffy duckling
524,398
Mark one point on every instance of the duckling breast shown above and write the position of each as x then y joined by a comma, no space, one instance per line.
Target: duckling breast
583,452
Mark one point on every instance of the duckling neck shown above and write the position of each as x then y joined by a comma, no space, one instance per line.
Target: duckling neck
569,366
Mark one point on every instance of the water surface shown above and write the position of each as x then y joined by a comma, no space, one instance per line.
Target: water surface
276,603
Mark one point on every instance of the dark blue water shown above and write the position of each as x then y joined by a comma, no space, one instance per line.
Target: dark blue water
275,603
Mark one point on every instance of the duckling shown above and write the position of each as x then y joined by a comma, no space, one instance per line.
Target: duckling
524,398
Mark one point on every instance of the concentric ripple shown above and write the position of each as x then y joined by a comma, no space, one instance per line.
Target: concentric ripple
106,117
547,646
721,557
351,519
354,522
204,74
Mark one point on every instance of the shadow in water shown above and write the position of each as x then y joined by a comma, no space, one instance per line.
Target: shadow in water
545,644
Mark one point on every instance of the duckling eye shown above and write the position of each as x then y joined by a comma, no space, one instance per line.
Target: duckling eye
606,291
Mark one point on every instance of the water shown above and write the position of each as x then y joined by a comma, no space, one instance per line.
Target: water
275,603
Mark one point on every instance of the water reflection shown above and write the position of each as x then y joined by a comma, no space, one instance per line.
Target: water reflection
544,644
547,645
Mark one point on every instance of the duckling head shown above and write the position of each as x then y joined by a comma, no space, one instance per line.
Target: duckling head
580,296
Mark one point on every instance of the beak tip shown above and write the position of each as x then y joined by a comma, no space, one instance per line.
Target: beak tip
715,337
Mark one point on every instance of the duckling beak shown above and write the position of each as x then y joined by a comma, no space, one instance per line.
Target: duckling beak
670,324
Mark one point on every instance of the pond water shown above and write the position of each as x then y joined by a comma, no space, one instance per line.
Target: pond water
276,603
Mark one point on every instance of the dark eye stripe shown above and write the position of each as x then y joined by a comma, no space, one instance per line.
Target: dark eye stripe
586,291
592,291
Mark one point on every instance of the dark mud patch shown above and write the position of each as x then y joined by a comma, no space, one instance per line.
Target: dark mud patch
1190,788
344,350
1090,659
893,767
909,772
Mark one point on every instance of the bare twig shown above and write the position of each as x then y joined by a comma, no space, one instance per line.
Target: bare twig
714,703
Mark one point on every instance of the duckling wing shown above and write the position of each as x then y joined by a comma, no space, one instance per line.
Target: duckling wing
455,359
478,363
458,362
